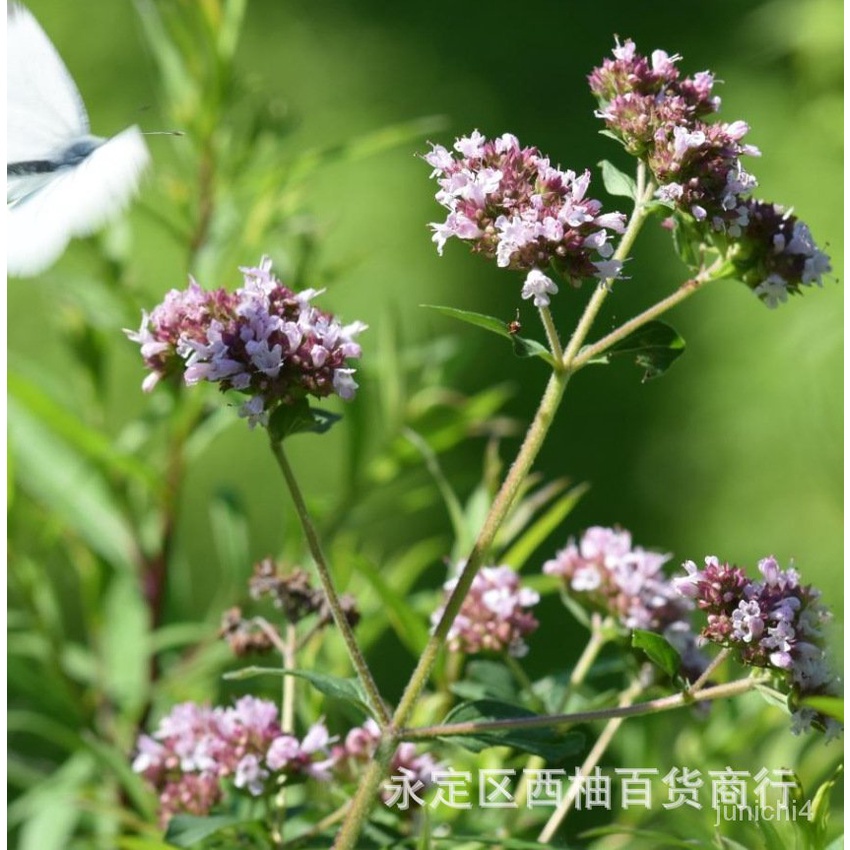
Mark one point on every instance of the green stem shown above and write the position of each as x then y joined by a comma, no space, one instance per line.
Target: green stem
655,706
498,510
589,764
552,335
598,639
373,695
363,801
287,709
365,797
686,290
595,304
706,674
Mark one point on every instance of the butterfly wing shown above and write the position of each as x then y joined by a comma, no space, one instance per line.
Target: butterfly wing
73,201
44,110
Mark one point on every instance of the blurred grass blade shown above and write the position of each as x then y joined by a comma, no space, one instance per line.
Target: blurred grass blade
125,648
230,534
177,81
405,621
527,543
70,487
364,146
49,813
463,538
86,440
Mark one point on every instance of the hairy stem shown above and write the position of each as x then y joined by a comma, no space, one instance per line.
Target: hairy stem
685,290
655,706
537,431
551,334
365,674
498,510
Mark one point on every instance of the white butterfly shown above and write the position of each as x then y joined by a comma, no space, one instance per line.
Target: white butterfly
60,180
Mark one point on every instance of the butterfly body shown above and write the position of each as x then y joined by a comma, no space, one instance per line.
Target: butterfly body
61,181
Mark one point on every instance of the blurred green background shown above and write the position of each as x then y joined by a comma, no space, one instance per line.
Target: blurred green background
737,451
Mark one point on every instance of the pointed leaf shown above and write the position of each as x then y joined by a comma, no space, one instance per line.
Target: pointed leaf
829,706
617,182
347,690
658,650
189,830
73,489
487,680
299,418
655,347
406,622
549,744
522,347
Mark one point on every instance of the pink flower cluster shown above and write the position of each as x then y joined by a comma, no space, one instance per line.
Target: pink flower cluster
604,570
263,340
197,748
774,623
658,116
494,615
510,203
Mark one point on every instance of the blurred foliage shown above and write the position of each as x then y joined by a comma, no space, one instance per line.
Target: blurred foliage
134,520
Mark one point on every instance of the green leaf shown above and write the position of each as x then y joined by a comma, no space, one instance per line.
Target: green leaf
487,680
687,242
610,135
506,843
347,690
829,706
299,418
659,840
658,650
72,488
838,844
655,347
522,347
617,182
450,499
85,439
406,622
772,839
547,743
363,146
773,697
125,644
821,804
189,830
48,814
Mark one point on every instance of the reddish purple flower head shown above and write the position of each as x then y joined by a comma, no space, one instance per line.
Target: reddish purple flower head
263,340
198,752
494,616
774,623
511,204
